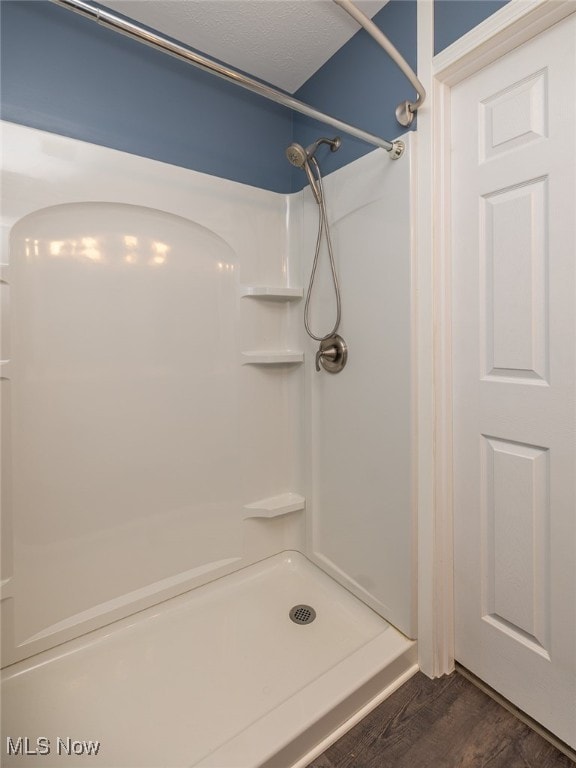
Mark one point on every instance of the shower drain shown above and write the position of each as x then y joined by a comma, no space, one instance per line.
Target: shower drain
302,614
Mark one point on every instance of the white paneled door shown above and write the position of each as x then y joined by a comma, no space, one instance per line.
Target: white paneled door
514,375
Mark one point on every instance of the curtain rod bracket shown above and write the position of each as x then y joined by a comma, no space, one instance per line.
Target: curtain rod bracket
406,110
405,113
397,150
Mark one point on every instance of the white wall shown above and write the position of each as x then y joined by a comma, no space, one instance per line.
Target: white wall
360,432
136,434
141,455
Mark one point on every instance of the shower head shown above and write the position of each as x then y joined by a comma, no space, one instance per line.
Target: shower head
302,158
299,156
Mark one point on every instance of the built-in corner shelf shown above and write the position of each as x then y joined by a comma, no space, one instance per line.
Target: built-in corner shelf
273,357
271,292
275,506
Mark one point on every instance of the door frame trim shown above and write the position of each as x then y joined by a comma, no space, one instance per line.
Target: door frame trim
516,23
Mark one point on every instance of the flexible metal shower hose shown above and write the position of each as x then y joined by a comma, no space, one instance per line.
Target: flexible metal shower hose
322,227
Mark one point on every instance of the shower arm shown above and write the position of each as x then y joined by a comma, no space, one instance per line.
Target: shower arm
406,109
179,51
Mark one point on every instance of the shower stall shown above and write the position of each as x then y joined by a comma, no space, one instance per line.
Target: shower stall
165,403
208,544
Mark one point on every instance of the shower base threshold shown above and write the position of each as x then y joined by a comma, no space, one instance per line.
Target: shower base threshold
219,677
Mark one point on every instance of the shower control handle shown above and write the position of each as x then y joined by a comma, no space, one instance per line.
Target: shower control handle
332,354
325,354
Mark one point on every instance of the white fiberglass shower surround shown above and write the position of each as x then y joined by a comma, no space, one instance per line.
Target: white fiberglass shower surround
177,469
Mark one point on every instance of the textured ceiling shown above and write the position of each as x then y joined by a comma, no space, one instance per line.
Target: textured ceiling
280,41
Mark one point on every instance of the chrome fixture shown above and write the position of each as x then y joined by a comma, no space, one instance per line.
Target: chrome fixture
333,351
154,39
301,157
332,355
298,155
406,109
302,614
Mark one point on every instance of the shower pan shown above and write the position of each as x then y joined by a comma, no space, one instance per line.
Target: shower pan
218,677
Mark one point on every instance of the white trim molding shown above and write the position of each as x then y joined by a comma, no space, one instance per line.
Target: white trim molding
514,24
430,614
511,26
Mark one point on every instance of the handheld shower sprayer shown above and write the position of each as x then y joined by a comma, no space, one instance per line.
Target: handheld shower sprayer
301,158
333,351
297,155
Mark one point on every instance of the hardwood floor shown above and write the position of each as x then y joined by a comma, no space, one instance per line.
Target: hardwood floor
443,723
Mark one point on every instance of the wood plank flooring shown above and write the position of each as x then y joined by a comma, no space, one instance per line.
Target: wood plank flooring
443,723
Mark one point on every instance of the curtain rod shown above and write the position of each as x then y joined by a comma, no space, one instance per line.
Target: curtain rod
159,42
405,110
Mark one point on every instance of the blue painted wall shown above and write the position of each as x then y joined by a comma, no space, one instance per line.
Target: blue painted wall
62,73
65,74
453,18
360,85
